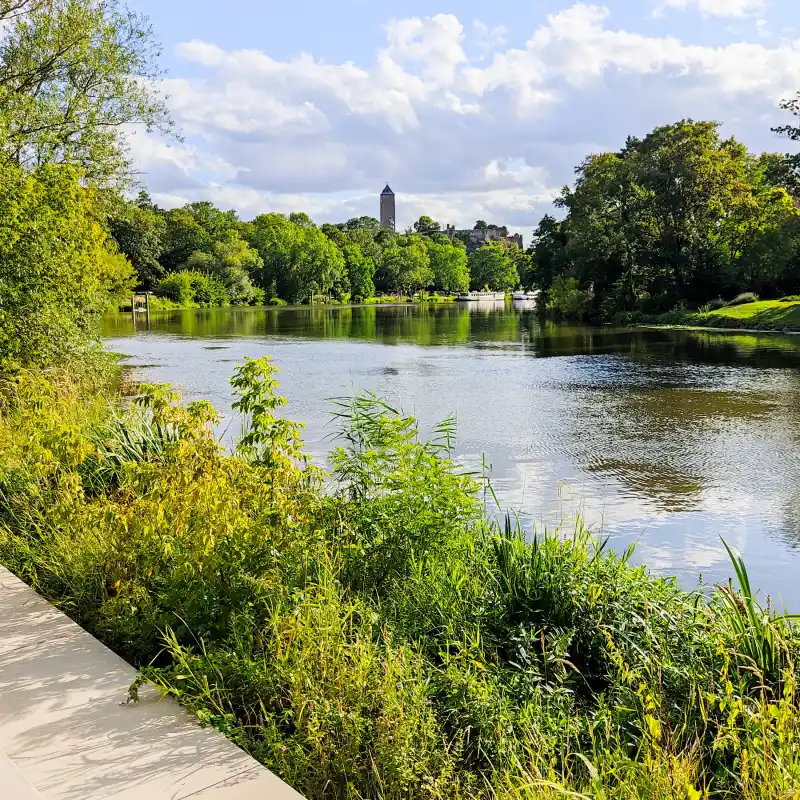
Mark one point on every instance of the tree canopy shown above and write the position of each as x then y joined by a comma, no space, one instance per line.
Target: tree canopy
679,216
74,74
492,267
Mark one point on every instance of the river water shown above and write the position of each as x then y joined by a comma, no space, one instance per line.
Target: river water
668,438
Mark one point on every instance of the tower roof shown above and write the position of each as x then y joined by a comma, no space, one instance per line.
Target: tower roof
387,190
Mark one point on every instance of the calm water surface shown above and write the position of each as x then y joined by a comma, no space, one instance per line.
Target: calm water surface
669,438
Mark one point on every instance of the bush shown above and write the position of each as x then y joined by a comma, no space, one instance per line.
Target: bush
743,299
187,288
177,287
792,298
567,299
57,274
715,305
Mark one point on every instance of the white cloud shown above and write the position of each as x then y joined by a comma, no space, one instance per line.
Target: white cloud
460,123
715,8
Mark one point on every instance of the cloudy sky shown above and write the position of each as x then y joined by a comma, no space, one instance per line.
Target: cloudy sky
469,110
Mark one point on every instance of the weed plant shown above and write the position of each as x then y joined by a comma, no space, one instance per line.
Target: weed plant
373,635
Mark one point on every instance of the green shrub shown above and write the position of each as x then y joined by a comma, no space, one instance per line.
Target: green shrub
187,288
567,299
792,298
57,274
177,287
743,299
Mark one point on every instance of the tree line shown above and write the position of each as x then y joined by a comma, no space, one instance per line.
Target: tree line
679,217
203,254
682,217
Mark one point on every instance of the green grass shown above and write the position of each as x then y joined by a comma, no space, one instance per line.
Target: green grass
374,635
762,315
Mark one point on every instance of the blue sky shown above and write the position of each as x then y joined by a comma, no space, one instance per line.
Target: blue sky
468,109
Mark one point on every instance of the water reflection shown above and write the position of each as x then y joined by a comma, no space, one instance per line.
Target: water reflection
672,438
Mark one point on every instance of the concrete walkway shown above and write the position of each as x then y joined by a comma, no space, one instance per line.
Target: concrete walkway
65,733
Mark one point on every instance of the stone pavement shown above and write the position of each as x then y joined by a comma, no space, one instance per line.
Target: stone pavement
66,734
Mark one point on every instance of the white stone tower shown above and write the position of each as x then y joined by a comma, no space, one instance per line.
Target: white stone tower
387,209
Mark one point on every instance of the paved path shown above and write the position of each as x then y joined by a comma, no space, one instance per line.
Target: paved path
64,734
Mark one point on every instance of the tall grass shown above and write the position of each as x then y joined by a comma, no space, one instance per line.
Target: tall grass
376,635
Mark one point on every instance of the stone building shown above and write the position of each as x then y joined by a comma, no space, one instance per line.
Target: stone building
477,237
388,215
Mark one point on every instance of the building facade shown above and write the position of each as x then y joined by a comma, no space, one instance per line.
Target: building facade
388,210
478,237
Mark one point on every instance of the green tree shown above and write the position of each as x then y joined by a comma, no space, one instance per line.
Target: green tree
183,236
449,265
491,266
300,259
547,251
73,75
426,226
360,270
139,233
233,262
363,223
188,287
57,271
216,223
301,219
480,225
681,215
407,264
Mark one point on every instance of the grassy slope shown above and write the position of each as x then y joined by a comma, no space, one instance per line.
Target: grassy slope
766,314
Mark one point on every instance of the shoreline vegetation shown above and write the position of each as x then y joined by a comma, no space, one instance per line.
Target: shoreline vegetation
370,633
376,635
165,304
765,315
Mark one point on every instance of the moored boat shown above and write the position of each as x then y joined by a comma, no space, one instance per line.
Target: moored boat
522,295
474,297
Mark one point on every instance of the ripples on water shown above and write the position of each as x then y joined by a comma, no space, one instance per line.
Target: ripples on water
672,438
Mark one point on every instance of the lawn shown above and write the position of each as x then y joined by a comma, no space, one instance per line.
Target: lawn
767,314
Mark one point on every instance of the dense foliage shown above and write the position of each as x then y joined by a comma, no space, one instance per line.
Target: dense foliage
57,271
379,638
291,258
681,216
73,73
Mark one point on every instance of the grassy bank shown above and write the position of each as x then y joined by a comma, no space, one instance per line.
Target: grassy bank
379,638
768,315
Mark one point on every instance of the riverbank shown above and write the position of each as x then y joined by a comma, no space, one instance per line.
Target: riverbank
381,638
165,304
764,315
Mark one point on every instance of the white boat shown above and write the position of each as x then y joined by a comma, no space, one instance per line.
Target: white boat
521,295
475,297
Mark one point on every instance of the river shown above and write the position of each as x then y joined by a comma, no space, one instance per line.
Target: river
669,438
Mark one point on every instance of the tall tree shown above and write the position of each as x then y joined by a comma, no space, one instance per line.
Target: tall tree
57,270
74,75
183,235
298,259
490,266
407,264
233,262
449,265
139,233
426,226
